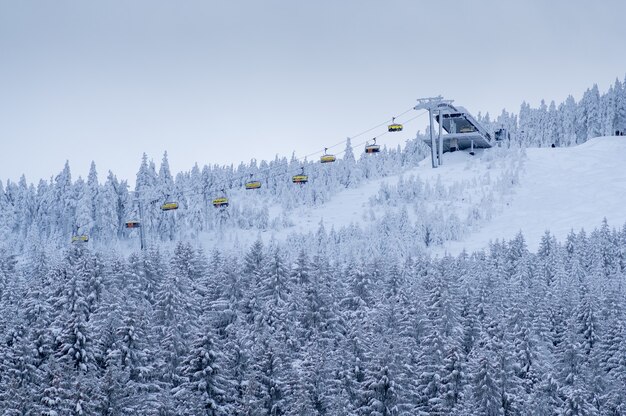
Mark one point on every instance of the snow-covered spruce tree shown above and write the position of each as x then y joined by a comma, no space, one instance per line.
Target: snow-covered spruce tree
93,190
75,349
165,191
203,387
486,397
146,191
349,173
432,349
267,381
112,380
380,392
63,204
352,363
108,215
311,384
620,104
274,294
495,387
574,392
172,325
251,279
18,366
195,220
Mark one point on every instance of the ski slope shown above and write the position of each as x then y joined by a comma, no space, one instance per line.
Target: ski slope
560,189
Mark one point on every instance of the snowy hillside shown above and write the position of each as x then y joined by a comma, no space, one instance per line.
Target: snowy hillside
560,189
552,189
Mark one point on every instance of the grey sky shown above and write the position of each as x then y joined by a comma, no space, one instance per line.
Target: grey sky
224,82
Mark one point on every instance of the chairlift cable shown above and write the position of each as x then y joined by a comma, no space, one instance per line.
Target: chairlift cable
221,184
303,158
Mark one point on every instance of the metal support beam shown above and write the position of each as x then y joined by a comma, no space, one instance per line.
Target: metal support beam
433,145
431,104
440,138
142,225
142,236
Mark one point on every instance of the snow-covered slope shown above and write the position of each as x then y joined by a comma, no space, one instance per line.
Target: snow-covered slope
561,189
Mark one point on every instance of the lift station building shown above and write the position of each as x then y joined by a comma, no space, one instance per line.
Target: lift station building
463,131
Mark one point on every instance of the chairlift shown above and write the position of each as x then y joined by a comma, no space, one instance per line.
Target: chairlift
393,127
252,183
326,158
168,206
132,224
221,201
301,178
83,238
372,148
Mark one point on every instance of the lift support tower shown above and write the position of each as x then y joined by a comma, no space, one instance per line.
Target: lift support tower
431,104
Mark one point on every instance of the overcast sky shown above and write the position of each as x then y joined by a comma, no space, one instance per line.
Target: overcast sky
226,81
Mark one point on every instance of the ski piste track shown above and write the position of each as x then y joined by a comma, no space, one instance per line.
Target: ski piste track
560,189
